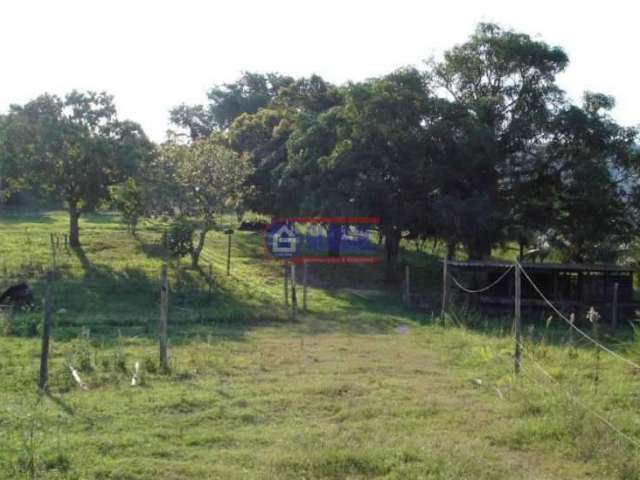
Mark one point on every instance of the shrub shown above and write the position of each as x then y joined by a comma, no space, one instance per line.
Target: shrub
5,324
178,239
129,201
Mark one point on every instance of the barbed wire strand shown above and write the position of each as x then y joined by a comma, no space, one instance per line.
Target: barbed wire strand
572,324
480,290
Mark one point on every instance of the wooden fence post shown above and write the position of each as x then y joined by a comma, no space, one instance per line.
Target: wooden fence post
210,279
46,333
164,311
229,254
445,288
285,272
407,285
517,319
304,286
614,307
53,251
572,320
294,299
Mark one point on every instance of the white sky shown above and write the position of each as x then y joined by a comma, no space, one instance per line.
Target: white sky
153,55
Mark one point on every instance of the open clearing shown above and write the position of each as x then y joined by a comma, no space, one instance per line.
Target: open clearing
340,393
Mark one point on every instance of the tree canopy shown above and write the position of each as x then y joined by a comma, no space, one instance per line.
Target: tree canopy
480,148
74,149
251,92
195,183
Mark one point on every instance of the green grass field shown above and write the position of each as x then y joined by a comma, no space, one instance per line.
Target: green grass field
359,388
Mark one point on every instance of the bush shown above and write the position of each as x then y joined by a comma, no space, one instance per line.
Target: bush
178,239
149,365
20,324
5,324
129,201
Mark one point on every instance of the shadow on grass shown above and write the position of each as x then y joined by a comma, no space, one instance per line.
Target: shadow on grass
364,324
248,244
87,266
125,302
9,216
100,218
64,406
151,247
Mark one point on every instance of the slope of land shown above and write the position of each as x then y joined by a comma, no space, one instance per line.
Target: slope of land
359,387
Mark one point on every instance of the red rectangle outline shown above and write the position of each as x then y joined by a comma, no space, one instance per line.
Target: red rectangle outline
347,220
333,260
327,260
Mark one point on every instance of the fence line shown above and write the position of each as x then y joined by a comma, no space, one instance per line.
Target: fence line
519,346
572,324
483,289
574,399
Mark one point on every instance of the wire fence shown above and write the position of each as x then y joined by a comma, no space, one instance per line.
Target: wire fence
129,288
572,324
483,289
556,387
592,411
137,286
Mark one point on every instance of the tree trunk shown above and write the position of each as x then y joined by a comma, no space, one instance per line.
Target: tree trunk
195,258
74,230
392,247
197,249
451,250
479,249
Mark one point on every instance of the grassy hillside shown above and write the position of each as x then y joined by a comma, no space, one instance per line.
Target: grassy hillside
360,387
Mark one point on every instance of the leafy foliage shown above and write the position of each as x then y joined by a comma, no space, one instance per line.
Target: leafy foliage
129,200
74,149
227,102
369,156
506,81
589,152
178,239
197,182
479,149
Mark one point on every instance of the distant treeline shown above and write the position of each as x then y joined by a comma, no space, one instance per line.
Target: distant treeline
481,148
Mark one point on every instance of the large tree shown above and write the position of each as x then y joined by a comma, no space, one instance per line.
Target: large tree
506,80
592,160
461,153
197,182
263,136
369,156
9,171
251,92
74,148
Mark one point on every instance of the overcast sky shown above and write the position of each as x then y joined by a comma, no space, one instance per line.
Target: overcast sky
153,55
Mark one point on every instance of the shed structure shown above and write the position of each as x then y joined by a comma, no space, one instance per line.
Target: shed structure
572,288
